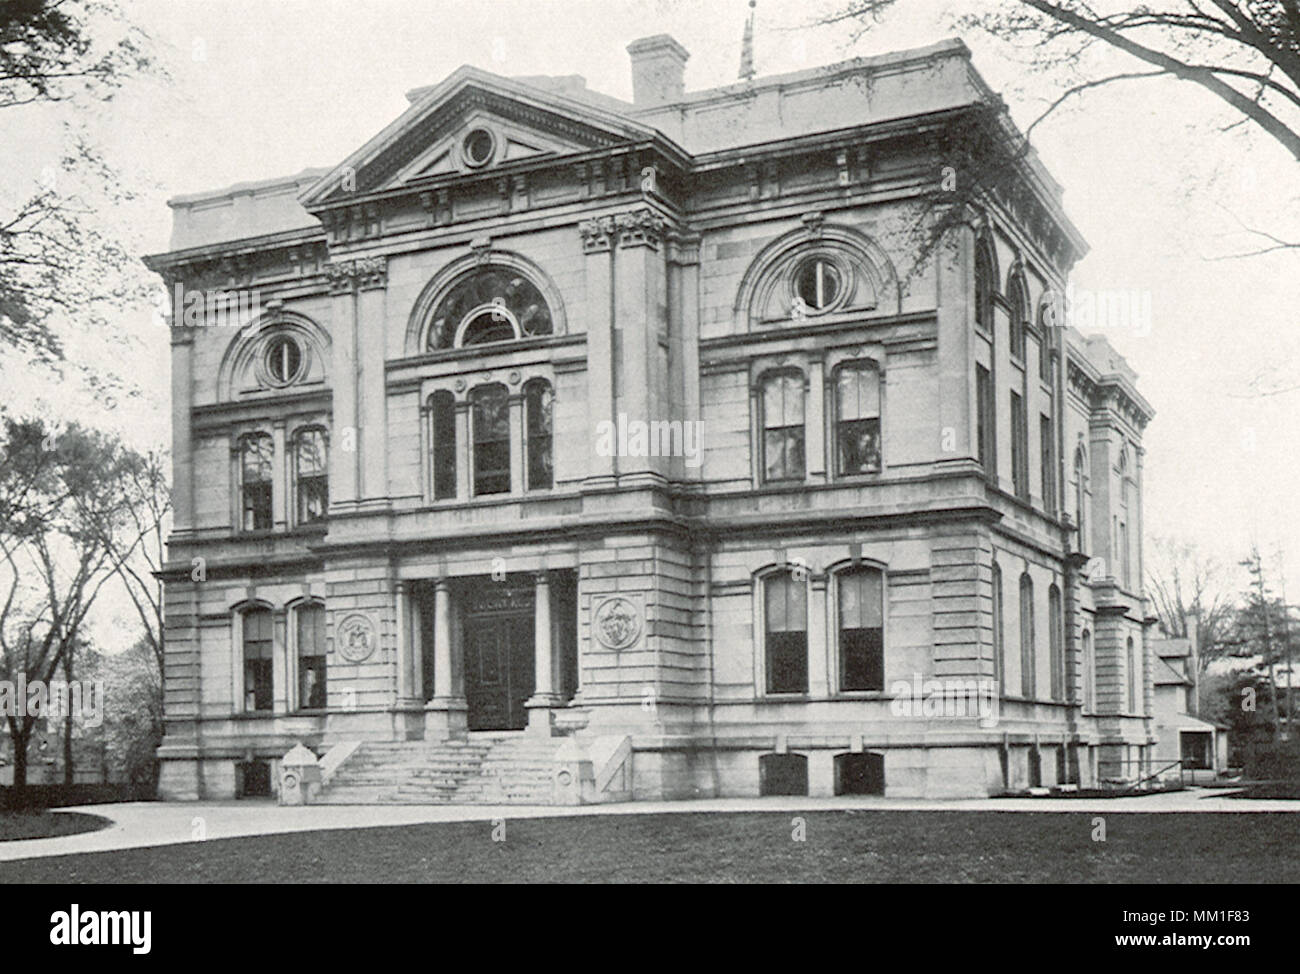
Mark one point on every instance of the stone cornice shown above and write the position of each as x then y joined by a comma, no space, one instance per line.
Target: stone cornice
1109,391
244,263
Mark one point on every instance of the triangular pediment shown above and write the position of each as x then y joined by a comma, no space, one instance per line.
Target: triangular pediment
473,123
509,141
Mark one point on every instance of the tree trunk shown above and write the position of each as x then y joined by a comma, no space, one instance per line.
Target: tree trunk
20,770
68,774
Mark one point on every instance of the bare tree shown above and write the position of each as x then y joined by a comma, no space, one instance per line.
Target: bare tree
1246,53
58,264
1185,583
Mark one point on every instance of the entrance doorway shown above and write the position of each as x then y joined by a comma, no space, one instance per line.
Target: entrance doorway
498,641
498,671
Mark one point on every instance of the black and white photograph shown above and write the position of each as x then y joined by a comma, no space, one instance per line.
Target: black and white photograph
650,442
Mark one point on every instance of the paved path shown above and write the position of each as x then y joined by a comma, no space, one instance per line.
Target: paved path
140,824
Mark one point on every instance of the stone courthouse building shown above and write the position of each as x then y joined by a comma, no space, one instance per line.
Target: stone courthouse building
572,449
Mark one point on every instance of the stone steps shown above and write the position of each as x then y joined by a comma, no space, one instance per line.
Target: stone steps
491,769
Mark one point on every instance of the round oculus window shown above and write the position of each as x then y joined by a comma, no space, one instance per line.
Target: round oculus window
284,360
818,283
478,147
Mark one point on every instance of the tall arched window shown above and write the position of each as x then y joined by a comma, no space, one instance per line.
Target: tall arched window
782,444
985,285
256,463
1046,349
1056,641
861,629
999,643
1028,676
1081,499
257,651
311,656
857,419
311,474
442,428
1018,296
494,303
785,611
539,410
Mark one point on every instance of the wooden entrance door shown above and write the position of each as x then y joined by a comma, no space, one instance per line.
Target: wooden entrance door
498,670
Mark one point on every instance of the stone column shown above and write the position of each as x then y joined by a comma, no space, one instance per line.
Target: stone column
597,246
464,451
446,715
516,405
544,697
815,423
402,591
819,669
182,340
281,671
281,478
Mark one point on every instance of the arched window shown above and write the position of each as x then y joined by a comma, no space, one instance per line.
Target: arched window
1018,296
491,420
442,428
1046,349
311,474
1056,641
857,419
256,463
861,629
1028,677
985,285
539,411
782,444
311,656
257,650
1089,674
489,304
999,636
785,613
1081,499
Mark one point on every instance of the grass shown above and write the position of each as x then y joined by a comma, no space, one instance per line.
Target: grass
43,824
849,846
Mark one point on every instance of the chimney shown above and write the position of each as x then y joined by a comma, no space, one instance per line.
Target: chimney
658,70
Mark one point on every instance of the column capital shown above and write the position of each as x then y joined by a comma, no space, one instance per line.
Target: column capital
597,234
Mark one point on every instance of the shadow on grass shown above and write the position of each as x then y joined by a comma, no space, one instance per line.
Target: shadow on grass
42,824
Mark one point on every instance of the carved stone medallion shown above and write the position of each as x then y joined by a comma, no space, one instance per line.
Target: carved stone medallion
356,637
616,623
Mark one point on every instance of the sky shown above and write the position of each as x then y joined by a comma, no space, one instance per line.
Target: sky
1157,183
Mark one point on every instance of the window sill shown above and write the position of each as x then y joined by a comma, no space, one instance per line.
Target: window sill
313,530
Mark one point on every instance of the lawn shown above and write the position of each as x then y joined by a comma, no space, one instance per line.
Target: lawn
847,846
42,824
